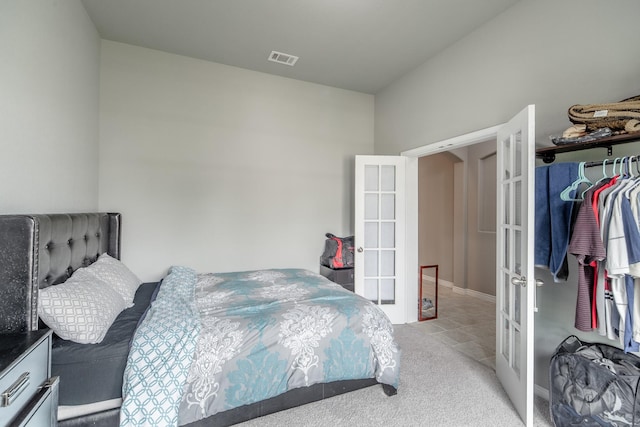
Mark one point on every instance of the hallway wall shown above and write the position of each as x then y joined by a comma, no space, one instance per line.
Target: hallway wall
455,196
481,239
435,212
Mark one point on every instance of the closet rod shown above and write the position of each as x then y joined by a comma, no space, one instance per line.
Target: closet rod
600,163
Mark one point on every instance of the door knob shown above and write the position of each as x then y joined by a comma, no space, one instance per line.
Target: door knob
522,281
360,249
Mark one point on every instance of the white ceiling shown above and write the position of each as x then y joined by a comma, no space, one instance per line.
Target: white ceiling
361,45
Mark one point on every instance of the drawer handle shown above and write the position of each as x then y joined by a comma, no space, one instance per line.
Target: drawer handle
12,393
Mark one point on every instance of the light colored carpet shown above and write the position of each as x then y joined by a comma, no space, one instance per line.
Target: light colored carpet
439,386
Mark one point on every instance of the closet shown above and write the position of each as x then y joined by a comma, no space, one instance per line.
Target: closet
557,300
599,300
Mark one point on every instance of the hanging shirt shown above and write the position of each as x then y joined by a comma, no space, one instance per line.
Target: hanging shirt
586,245
598,306
611,315
623,249
623,244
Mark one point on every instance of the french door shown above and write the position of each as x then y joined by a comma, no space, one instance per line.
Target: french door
379,273
515,288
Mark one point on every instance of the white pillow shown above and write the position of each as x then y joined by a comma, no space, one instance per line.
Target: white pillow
80,311
115,274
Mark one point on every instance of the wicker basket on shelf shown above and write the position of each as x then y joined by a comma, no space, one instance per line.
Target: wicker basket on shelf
618,116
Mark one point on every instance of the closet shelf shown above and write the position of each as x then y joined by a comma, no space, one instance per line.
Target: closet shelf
548,154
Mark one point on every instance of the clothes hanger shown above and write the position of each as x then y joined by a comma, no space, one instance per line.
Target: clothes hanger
636,178
626,171
604,176
604,171
613,169
565,195
633,191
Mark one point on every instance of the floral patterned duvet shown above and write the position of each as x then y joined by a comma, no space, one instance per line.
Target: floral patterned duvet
262,333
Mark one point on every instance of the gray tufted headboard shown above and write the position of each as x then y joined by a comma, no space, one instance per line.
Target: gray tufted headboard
37,251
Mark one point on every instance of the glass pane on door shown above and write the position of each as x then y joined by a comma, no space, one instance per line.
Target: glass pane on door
371,290
506,147
371,263
506,254
388,208
507,293
517,161
518,203
505,342
371,178
516,351
371,206
388,291
388,235
387,263
370,234
517,246
507,203
517,295
388,178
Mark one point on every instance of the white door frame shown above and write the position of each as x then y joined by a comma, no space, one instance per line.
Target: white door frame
411,241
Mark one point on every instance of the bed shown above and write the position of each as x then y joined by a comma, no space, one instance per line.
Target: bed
41,251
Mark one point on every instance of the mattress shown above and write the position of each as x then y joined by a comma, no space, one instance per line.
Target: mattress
93,372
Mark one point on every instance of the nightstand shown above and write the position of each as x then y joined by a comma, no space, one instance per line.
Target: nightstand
28,394
342,276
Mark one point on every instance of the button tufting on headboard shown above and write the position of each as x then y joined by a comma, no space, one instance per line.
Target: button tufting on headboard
42,250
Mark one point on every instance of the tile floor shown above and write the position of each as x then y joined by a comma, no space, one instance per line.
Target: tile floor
466,323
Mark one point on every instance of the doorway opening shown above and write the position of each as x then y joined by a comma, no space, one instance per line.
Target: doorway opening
456,228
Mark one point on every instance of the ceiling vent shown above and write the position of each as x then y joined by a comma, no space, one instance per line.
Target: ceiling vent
283,58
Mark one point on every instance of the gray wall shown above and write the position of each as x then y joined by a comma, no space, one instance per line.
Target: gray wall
435,212
50,54
222,168
450,199
481,241
552,54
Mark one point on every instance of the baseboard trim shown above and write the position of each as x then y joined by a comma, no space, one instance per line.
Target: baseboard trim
481,295
541,392
460,290
446,283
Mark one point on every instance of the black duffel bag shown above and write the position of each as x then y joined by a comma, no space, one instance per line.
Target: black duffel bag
338,252
593,385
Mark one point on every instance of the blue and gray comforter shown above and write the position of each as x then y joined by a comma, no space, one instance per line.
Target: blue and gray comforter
213,342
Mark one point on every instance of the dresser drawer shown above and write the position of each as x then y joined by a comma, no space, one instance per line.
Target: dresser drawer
42,410
21,380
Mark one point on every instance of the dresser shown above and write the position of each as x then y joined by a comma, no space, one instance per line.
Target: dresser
28,393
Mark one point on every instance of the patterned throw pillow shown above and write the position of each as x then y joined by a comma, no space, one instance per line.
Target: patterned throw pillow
80,311
114,273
